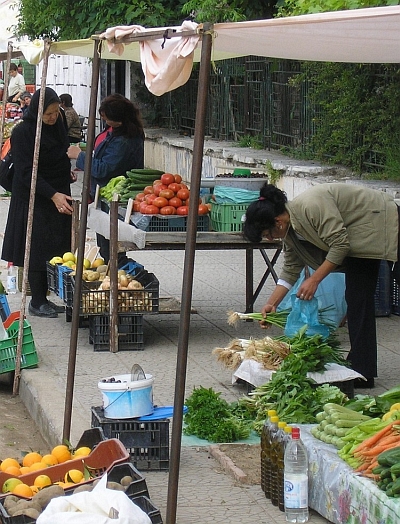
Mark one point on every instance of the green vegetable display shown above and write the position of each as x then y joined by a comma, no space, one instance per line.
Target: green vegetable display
131,184
210,417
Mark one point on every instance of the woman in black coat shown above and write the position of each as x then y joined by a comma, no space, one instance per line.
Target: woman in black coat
51,228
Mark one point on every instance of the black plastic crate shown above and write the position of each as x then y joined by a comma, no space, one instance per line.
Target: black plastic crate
168,223
95,301
68,290
90,438
147,442
138,486
395,297
148,507
382,291
83,319
51,276
130,332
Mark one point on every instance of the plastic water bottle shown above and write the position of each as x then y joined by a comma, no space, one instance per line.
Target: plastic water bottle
287,435
11,279
265,446
296,479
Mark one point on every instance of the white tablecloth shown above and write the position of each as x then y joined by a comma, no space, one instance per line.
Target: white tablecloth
253,373
340,495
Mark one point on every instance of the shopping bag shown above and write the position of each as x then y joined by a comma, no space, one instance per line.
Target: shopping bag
94,507
305,313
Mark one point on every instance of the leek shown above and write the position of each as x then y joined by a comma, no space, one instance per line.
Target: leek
276,318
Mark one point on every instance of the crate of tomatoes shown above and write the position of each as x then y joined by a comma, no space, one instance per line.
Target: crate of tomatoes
164,206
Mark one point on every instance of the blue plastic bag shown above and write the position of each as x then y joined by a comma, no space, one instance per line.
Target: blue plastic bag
330,295
305,312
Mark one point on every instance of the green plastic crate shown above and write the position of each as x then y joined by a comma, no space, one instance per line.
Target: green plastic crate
8,348
227,217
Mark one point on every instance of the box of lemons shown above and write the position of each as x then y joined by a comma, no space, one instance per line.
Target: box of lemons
104,456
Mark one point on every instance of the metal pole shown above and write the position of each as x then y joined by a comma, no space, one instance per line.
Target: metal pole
188,271
81,244
113,268
17,376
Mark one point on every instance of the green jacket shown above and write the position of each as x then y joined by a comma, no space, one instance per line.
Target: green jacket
335,221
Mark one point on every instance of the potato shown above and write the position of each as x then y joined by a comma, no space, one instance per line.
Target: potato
10,501
29,512
83,487
102,269
115,485
22,505
44,496
125,481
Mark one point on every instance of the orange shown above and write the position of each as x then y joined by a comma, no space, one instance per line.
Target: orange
73,475
62,453
41,481
24,470
37,466
6,463
22,490
31,458
35,489
13,470
49,460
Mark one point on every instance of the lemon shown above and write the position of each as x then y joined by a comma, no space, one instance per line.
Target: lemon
86,263
68,257
82,452
97,262
74,475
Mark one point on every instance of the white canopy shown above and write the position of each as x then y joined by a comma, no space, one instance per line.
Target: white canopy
369,35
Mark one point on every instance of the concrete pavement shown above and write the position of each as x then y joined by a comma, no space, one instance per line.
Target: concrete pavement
206,495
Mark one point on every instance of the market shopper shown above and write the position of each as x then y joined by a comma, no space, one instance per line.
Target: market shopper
51,228
117,149
25,100
332,227
73,123
16,85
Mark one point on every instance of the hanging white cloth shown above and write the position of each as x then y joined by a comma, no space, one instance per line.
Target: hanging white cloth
166,63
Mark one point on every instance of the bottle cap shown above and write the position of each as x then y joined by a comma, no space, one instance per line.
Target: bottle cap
275,420
295,433
287,429
271,413
281,424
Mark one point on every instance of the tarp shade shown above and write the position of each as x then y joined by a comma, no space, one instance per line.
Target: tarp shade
360,36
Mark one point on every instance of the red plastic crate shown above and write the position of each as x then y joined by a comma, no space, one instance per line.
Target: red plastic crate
104,456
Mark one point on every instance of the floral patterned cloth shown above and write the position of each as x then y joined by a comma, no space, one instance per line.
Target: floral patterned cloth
340,495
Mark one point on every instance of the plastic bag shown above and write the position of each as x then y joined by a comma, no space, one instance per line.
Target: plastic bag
305,312
330,296
93,507
234,195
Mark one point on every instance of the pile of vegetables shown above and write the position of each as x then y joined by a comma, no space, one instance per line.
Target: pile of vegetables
295,397
387,472
130,185
211,418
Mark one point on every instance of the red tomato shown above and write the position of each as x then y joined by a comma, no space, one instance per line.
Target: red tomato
203,209
151,210
167,179
178,179
182,210
142,206
174,187
140,197
184,186
160,202
159,187
183,194
149,198
168,210
157,182
148,190
175,201
166,193
136,205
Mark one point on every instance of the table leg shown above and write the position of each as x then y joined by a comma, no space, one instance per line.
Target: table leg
249,280
250,296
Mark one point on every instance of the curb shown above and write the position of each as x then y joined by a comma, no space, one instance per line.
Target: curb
227,464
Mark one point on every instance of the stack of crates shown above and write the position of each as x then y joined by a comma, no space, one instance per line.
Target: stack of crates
228,217
146,441
382,293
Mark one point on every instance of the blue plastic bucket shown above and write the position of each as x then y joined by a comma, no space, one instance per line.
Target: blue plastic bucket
127,398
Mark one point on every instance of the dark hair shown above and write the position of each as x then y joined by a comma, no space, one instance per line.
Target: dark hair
13,67
66,99
119,109
261,214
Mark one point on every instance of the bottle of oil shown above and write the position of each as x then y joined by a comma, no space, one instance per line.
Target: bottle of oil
264,445
276,454
287,430
273,428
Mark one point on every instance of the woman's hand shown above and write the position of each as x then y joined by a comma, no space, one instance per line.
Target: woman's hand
63,203
268,308
73,152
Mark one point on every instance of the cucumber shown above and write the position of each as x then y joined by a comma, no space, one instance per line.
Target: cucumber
390,457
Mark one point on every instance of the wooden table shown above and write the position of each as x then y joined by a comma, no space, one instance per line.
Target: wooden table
212,240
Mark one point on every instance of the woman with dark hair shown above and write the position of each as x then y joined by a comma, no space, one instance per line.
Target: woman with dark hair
333,227
74,128
51,228
118,149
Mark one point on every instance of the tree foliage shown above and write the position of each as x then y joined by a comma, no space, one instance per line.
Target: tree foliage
302,7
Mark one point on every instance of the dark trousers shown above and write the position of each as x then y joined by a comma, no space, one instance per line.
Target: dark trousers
361,276
38,284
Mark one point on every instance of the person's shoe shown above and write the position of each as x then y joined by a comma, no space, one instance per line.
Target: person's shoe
360,383
57,309
45,310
